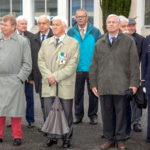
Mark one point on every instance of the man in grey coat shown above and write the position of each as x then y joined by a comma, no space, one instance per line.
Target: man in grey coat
114,69
15,67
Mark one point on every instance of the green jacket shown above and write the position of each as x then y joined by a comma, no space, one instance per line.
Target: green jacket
62,61
115,68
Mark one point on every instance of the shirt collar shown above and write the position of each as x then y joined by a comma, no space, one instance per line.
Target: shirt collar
60,38
85,28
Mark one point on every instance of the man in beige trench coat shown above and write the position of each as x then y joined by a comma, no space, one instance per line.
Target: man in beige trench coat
15,67
57,60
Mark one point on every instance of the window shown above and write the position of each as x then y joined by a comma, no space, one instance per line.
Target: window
147,12
10,6
88,5
48,7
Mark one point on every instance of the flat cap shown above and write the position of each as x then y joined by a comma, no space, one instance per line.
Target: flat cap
131,21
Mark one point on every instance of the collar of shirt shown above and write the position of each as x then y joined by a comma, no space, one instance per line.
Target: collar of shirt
85,28
60,38
21,33
110,38
46,34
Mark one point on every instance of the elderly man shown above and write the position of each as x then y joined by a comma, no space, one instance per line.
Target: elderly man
57,60
86,35
16,65
114,69
44,33
123,24
21,29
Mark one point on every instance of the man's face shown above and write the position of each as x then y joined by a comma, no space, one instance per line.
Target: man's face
132,28
58,28
7,28
124,27
44,25
22,25
112,24
81,18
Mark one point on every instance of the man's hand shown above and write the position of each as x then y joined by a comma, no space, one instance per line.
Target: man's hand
94,90
134,89
51,79
31,82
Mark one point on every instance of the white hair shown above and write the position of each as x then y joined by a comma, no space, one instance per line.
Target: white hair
123,19
20,18
113,15
44,16
63,20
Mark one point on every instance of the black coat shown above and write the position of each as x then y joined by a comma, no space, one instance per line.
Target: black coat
139,43
30,36
36,44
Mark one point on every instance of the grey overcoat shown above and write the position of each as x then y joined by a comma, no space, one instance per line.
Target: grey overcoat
15,67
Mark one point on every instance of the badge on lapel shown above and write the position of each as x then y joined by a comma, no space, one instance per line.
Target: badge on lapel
61,58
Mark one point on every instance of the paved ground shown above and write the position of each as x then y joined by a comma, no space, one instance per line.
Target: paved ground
86,136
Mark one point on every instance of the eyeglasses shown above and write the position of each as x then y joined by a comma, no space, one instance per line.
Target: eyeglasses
80,17
42,23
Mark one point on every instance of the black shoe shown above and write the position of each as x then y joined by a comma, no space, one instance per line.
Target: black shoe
17,142
77,121
93,121
9,125
30,125
66,143
137,128
51,142
1,140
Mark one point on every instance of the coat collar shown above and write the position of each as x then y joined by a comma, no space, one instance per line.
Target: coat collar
14,36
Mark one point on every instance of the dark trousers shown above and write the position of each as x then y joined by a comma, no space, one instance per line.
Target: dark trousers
113,105
67,107
81,77
128,117
30,102
148,109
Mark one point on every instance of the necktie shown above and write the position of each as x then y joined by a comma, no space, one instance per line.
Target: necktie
112,40
57,41
43,37
82,33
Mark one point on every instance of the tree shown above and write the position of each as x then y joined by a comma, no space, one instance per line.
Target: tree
118,7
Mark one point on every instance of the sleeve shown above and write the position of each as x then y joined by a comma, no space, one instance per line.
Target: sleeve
26,61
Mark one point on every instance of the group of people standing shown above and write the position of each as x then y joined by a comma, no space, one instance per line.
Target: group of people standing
59,62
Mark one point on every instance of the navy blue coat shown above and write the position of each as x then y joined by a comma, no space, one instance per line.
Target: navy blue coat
146,59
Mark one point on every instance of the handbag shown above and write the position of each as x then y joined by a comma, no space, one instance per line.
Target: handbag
140,98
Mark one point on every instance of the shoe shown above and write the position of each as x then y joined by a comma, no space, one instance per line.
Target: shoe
1,140
51,142
66,143
137,128
127,137
17,142
102,136
106,145
77,121
30,125
121,146
9,125
93,121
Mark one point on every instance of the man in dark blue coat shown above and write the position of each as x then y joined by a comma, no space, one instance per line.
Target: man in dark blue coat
146,77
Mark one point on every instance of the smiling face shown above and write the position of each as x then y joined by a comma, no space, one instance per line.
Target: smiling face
58,28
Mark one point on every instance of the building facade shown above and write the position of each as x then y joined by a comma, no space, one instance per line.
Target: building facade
32,9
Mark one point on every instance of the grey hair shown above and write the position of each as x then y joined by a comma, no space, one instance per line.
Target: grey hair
20,18
43,16
123,19
63,20
113,15
81,9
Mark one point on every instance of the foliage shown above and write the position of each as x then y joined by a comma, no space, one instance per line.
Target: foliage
118,7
